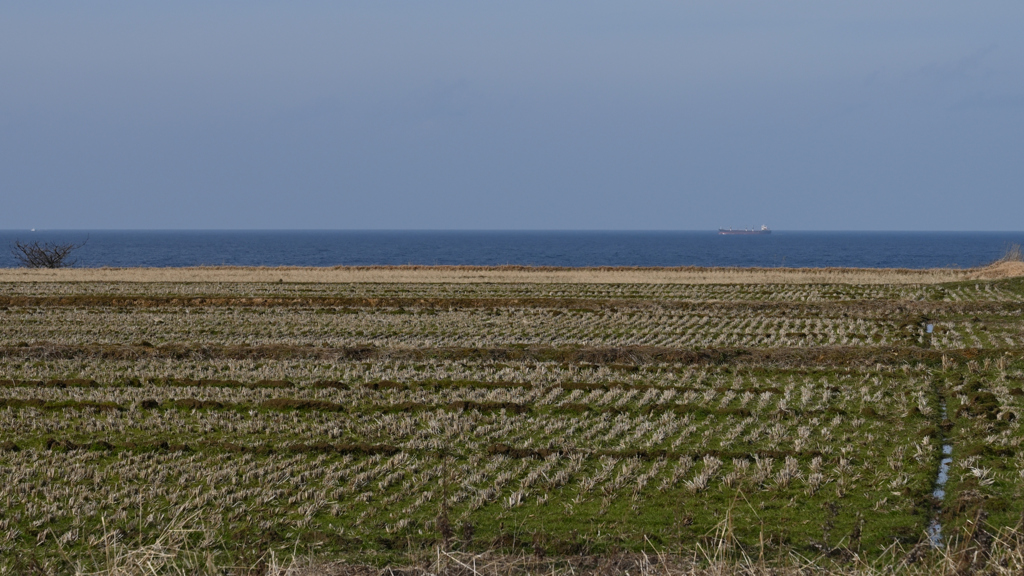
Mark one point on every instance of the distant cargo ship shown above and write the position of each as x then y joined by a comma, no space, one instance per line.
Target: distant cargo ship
763,230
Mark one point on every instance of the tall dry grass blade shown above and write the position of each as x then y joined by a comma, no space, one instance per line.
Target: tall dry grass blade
1013,253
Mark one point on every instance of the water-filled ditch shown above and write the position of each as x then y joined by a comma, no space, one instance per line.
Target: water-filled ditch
935,527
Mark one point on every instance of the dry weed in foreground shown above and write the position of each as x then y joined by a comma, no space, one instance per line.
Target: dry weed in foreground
174,552
975,551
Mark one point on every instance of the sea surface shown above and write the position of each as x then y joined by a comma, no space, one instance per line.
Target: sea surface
535,248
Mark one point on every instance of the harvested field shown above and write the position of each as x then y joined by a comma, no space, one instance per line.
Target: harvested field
373,422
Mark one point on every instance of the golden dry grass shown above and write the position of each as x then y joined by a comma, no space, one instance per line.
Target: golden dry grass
1001,269
516,274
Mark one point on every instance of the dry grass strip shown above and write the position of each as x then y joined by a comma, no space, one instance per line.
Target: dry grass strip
516,274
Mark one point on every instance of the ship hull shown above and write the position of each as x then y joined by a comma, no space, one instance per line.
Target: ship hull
743,232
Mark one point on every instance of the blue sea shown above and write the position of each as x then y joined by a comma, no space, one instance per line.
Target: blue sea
535,248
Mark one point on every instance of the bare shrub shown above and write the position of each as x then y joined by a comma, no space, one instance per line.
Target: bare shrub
45,254
1013,253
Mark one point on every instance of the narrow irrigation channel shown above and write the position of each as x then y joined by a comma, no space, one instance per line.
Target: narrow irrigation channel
935,528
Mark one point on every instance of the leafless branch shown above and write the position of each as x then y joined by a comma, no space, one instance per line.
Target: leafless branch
45,254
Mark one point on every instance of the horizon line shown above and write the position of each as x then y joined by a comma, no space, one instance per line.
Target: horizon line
496,230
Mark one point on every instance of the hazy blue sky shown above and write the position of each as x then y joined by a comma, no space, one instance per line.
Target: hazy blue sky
513,115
